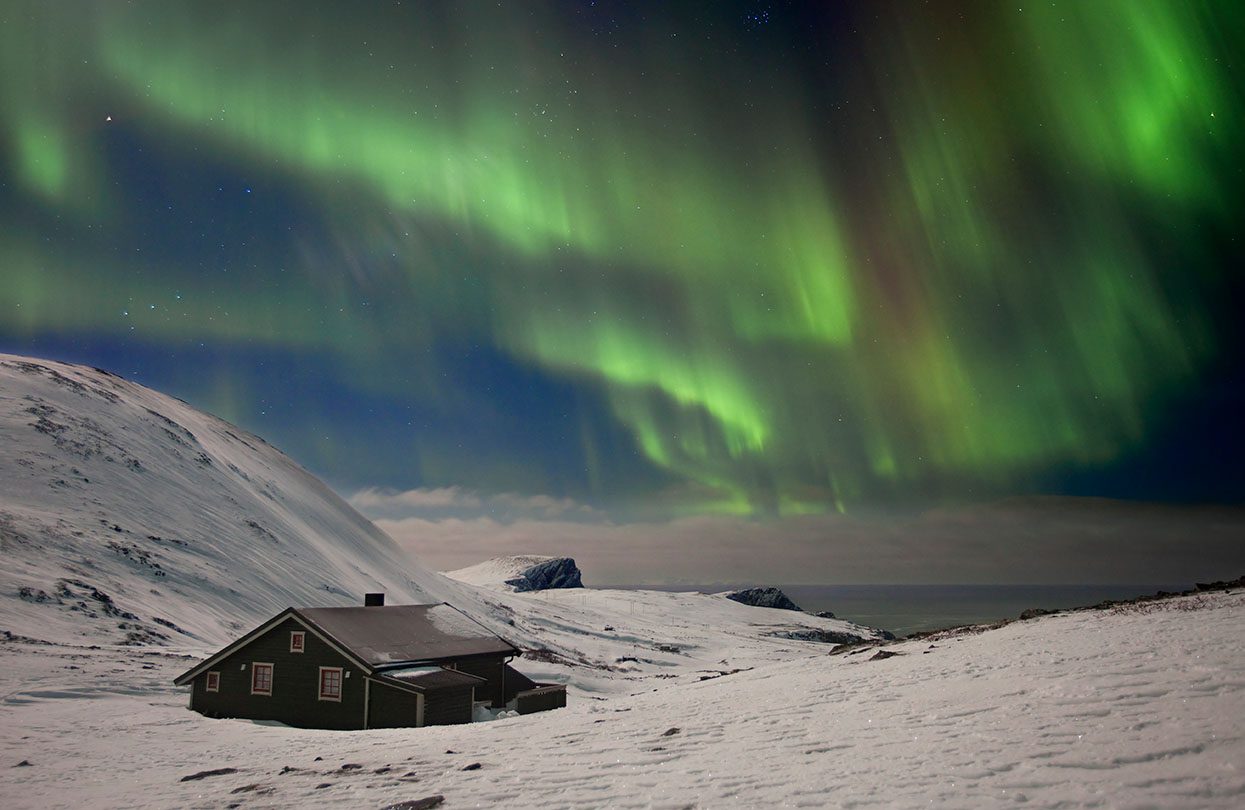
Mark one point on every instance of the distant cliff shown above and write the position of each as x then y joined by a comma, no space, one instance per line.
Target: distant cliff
763,597
522,573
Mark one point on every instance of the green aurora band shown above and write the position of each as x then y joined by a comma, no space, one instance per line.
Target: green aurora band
993,270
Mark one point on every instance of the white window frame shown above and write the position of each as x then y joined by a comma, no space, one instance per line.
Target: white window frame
271,677
207,681
301,635
341,684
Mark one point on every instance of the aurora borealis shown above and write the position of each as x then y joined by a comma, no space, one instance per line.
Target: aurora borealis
663,260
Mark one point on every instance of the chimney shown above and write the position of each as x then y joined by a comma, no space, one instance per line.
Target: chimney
373,600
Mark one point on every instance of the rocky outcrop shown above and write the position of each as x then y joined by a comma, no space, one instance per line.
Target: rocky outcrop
819,635
1220,585
1033,613
763,597
521,573
556,572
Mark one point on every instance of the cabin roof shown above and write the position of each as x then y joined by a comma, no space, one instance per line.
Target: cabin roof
378,638
432,678
405,633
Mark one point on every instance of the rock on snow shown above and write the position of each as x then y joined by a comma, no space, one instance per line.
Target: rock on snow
763,597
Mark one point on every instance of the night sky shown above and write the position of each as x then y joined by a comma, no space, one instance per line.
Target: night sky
787,276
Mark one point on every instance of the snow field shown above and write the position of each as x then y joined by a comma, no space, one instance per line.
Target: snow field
1136,707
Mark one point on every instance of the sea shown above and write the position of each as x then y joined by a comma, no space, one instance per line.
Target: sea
905,609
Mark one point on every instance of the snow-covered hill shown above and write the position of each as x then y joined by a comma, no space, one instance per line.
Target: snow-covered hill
125,514
1138,706
128,517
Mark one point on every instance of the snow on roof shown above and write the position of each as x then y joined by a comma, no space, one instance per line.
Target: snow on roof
433,678
398,633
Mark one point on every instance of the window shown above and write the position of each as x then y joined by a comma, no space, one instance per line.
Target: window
213,682
261,679
331,683
298,641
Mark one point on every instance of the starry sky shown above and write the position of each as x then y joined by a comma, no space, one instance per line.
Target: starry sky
801,277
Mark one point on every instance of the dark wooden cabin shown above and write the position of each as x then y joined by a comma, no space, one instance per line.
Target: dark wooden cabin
365,667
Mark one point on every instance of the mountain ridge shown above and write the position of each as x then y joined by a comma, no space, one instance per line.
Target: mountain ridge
108,484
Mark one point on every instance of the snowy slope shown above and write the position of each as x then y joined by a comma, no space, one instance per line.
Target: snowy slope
619,642
116,500
127,516
1140,706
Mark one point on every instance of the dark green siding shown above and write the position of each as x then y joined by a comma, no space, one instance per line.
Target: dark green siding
392,708
295,684
446,707
492,669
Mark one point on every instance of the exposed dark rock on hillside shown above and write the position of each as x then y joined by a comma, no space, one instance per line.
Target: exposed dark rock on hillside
1220,585
1033,613
823,636
763,597
559,572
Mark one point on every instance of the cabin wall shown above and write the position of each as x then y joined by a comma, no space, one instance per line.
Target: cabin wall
541,699
295,684
444,707
392,708
492,669
516,682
